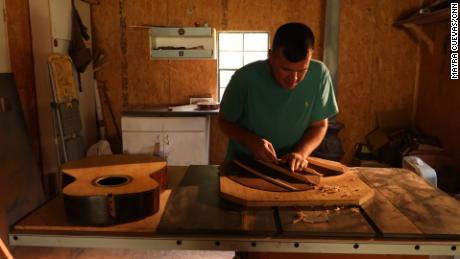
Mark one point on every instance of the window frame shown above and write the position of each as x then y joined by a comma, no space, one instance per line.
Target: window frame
243,32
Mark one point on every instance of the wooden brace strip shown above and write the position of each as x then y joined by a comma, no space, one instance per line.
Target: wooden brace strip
265,177
313,178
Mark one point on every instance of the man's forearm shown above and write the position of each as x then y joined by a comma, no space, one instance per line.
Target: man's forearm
259,147
234,131
312,138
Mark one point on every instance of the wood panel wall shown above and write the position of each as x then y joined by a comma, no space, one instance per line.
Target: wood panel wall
22,66
438,108
134,81
377,66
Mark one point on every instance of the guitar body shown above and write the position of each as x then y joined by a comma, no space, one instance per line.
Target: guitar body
112,189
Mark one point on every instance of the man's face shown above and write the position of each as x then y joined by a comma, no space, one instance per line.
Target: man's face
288,74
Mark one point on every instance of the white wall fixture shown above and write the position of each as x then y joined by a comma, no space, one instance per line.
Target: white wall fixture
182,43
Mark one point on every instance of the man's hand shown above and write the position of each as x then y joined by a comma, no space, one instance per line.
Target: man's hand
296,161
262,149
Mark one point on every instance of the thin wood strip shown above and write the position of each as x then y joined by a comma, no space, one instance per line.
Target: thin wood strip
4,252
313,171
270,179
327,164
310,179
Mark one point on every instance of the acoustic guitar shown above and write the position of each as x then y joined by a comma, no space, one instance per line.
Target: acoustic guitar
112,189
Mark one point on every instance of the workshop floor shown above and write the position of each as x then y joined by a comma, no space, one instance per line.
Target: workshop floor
89,253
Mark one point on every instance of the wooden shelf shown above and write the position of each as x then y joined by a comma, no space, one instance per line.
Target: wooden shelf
436,13
426,18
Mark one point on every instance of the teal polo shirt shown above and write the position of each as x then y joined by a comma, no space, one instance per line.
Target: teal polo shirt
255,101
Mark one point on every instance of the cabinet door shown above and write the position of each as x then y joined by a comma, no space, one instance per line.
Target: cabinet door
149,143
185,148
186,124
141,124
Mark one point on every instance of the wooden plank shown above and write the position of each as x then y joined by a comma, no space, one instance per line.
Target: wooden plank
330,222
20,183
388,219
196,208
433,212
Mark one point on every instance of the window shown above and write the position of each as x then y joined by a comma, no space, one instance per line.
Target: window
237,49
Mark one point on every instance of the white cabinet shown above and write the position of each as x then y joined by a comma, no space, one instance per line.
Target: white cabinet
180,140
182,43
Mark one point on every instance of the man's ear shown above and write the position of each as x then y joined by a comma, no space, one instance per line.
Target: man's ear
270,56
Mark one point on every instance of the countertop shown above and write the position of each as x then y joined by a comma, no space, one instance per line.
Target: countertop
173,111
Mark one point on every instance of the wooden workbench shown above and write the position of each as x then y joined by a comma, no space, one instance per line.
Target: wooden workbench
406,216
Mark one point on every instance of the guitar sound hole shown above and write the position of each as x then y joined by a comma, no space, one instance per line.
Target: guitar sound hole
110,181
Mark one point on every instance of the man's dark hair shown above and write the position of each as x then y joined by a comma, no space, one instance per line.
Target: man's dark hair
296,39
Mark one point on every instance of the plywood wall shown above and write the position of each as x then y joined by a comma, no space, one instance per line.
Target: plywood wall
4,49
438,109
134,81
377,67
377,63
22,66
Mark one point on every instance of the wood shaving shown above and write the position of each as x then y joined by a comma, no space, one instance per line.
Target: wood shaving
355,210
329,189
311,217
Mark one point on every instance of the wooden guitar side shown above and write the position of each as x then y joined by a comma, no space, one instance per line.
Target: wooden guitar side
112,189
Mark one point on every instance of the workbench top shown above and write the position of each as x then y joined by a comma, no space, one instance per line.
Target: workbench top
407,215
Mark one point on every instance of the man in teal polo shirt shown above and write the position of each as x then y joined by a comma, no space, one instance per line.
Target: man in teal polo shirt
278,109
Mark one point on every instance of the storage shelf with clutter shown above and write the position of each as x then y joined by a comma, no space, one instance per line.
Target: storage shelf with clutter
182,42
